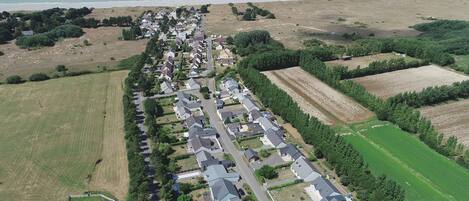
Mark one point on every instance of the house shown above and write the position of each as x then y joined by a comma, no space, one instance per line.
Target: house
202,132
226,57
193,74
249,129
225,115
233,129
202,156
198,121
216,172
273,138
322,190
224,190
251,155
289,153
249,105
254,115
303,169
231,85
184,107
192,84
166,87
219,103
198,143
182,112
266,124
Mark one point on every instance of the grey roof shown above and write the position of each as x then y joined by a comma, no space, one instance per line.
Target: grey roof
327,190
27,33
267,124
233,127
197,143
198,131
183,96
203,156
195,121
304,169
225,115
188,104
249,104
181,109
255,114
253,129
215,172
231,84
251,154
224,190
166,87
290,150
193,84
275,137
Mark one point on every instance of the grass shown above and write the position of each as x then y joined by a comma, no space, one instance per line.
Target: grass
283,173
167,119
187,163
179,150
253,143
173,127
168,109
166,101
422,172
291,193
61,137
197,195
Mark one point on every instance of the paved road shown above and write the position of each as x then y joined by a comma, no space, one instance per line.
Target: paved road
145,144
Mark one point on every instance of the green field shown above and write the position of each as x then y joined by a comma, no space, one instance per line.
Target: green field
62,136
425,174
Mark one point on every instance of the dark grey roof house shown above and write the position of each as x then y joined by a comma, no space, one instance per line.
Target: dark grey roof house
198,143
274,138
303,169
198,121
251,155
289,152
321,189
224,190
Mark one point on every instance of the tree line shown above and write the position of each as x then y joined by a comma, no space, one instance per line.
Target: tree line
347,162
407,118
432,95
378,67
254,42
49,38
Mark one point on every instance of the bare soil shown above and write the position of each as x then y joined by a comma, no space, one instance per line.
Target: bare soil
300,20
389,84
451,119
317,98
105,50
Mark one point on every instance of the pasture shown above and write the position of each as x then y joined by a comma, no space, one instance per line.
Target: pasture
422,172
364,61
451,119
389,84
63,136
317,98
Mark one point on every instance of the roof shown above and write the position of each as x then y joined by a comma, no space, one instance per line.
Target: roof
249,105
203,156
327,190
224,190
275,137
195,121
267,124
214,172
197,143
250,154
290,150
304,169
233,127
255,114
198,131
166,87
183,96
225,115
193,84
231,84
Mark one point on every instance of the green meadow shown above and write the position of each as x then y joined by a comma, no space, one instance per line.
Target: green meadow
423,173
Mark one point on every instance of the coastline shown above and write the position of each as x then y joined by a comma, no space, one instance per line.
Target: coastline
111,4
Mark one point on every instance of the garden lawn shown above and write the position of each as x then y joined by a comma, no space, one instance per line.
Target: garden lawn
422,172
252,143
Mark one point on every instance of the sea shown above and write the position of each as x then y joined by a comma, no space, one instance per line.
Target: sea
24,5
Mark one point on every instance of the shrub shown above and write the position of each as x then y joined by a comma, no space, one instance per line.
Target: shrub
1,53
14,79
38,77
267,172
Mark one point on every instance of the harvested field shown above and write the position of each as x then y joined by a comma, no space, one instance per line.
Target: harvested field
364,61
63,136
389,84
305,19
317,98
105,50
451,119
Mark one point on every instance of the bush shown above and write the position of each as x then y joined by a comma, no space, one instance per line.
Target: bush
49,38
38,77
1,53
267,172
14,79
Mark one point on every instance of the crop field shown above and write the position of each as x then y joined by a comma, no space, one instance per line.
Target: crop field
364,61
389,84
63,136
422,172
317,98
451,119
105,50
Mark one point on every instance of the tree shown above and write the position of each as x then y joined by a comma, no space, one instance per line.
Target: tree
267,172
14,79
184,197
38,77
61,69
204,8
1,53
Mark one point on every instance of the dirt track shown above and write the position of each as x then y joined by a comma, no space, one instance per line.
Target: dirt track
316,98
389,84
451,119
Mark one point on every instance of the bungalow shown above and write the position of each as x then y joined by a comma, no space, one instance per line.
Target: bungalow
303,169
166,87
266,124
251,155
249,105
322,190
289,153
192,84
198,143
216,172
224,190
198,121
273,138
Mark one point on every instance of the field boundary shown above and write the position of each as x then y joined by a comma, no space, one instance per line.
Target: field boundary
70,197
